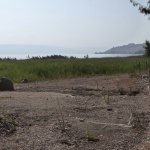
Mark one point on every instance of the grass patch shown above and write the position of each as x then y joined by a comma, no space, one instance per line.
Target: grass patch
7,124
39,69
91,135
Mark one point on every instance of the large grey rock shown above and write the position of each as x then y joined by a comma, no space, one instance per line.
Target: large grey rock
6,84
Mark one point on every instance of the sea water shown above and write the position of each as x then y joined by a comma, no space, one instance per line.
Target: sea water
69,55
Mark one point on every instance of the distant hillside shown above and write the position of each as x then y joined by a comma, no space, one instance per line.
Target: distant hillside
125,49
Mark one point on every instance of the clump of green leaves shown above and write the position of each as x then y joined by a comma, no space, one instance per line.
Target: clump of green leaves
91,135
7,124
60,119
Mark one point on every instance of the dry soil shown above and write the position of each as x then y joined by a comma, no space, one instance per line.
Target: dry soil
88,113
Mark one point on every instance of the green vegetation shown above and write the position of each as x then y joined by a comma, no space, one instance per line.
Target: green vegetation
147,48
43,69
7,124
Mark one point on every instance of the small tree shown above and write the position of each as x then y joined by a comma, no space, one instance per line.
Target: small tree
144,10
147,48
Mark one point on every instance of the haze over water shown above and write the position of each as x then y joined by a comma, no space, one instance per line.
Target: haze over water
73,24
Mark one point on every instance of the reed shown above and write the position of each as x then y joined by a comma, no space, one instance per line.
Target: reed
45,69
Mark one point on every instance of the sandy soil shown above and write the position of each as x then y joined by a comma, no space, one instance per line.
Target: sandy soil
89,113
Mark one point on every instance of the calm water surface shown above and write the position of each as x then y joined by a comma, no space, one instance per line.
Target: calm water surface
74,55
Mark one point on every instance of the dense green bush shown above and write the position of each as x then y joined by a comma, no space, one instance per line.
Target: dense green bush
147,48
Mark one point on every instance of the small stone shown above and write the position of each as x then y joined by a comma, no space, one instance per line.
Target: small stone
81,119
25,80
109,109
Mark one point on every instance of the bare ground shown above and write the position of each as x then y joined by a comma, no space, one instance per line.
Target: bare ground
89,113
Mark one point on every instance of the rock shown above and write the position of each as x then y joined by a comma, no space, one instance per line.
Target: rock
25,81
6,84
109,109
144,76
64,141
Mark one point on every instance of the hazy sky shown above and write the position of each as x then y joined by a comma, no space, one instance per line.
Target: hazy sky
72,23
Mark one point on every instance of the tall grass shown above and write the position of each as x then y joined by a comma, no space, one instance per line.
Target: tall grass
63,68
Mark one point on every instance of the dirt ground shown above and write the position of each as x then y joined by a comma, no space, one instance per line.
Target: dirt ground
88,113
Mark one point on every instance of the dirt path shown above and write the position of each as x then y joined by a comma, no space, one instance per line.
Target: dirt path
76,114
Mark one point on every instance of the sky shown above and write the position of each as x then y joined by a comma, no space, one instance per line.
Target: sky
72,23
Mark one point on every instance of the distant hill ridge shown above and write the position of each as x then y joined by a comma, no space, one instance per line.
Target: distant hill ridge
125,49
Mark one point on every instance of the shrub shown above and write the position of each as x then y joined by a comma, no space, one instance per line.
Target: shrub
147,48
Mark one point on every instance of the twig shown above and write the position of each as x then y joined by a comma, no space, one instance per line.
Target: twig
130,119
110,124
